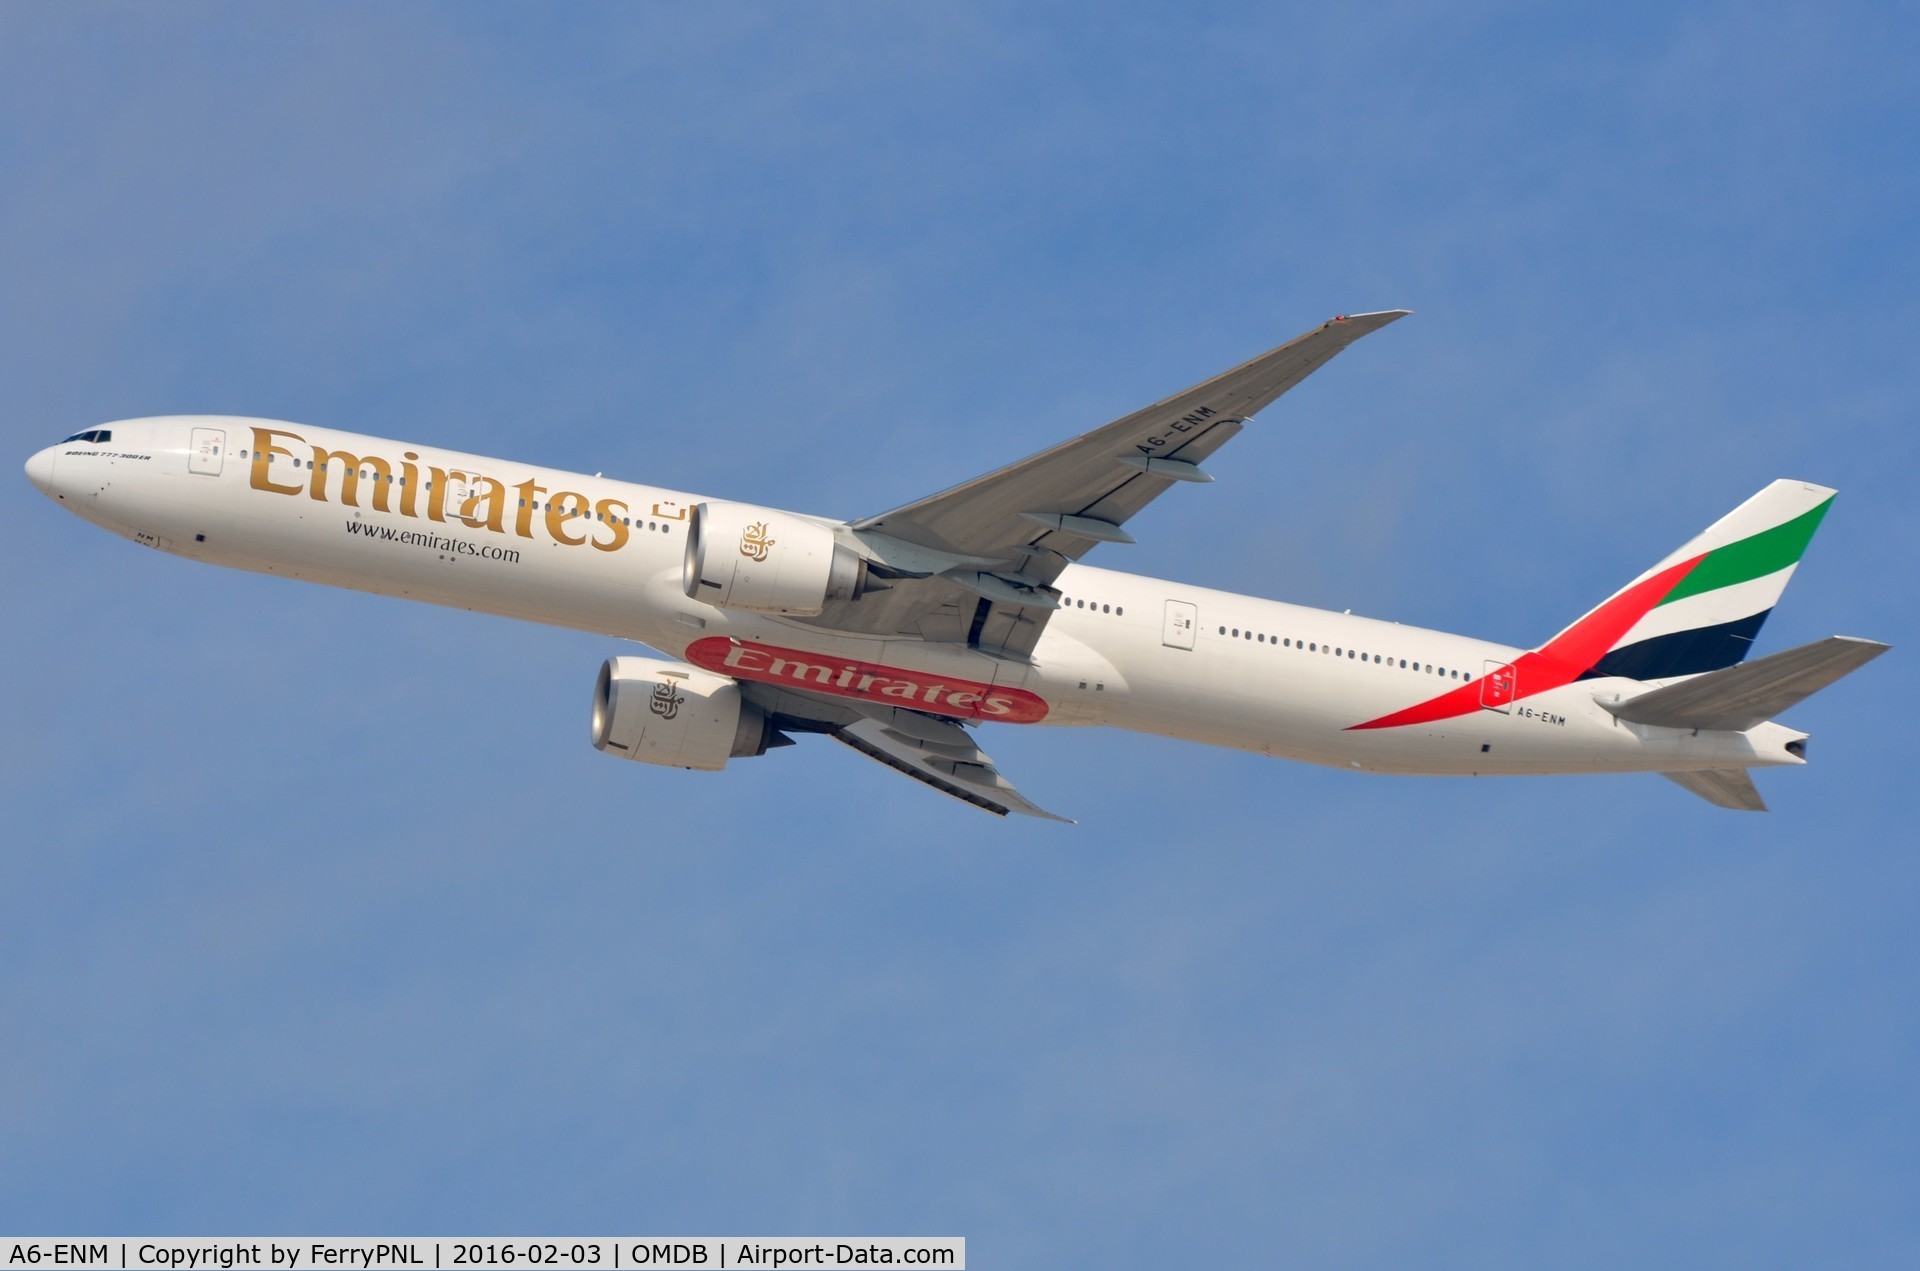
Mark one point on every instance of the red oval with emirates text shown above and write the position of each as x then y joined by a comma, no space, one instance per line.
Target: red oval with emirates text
869,681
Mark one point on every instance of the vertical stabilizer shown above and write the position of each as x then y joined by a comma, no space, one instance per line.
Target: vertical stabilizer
1700,608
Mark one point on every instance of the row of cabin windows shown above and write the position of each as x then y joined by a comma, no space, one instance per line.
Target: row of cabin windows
662,526
1287,642
1067,602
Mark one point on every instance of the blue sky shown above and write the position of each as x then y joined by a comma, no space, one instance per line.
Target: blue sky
321,915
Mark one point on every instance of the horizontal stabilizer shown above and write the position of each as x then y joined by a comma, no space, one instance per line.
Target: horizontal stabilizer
1722,787
1740,697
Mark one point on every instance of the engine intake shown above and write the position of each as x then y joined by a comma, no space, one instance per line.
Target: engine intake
762,561
676,715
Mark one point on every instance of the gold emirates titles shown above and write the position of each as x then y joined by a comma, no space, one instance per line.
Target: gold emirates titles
484,508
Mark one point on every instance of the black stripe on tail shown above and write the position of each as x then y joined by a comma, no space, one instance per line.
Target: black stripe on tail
1682,652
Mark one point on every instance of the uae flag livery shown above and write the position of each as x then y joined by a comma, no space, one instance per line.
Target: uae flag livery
1696,611
1722,594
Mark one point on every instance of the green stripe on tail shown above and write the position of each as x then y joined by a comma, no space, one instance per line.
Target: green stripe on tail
1761,554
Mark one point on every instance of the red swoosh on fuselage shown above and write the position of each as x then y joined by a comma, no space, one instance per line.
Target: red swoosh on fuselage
1560,661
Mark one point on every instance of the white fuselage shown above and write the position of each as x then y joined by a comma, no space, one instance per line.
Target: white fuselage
601,555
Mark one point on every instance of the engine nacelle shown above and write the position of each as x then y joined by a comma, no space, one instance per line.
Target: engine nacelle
677,715
752,558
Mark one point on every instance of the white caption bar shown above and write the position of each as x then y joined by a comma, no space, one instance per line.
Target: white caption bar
487,1253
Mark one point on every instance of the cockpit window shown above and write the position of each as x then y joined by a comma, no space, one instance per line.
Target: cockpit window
92,434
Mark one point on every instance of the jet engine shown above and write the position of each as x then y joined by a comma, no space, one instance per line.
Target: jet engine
677,715
763,561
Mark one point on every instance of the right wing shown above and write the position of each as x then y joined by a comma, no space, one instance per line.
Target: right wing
999,541
1107,475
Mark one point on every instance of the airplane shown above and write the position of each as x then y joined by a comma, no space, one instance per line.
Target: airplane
899,634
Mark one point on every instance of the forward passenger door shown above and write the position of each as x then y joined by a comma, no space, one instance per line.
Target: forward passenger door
204,451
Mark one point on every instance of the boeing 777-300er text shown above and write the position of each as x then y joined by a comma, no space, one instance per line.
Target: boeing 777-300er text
897,634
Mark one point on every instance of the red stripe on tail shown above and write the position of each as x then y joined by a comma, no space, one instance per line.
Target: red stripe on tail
1559,662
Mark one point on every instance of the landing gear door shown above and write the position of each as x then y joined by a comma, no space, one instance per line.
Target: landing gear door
1177,630
1498,687
204,451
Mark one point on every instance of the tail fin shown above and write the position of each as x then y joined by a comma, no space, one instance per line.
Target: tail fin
1700,608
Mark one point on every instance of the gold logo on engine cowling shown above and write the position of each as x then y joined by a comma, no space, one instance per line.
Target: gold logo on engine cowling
754,541
665,702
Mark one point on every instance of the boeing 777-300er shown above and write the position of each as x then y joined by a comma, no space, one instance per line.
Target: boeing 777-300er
897,634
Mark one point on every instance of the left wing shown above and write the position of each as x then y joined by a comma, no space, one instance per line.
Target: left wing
935,751
976,563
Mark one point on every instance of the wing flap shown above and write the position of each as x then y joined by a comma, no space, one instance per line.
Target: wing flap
957,767
936,752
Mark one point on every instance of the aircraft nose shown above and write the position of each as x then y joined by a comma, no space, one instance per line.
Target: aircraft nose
40,471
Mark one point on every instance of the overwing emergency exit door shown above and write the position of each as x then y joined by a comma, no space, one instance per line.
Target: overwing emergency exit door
1177,631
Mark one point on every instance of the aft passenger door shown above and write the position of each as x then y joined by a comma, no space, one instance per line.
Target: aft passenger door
1176,631
1498,687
